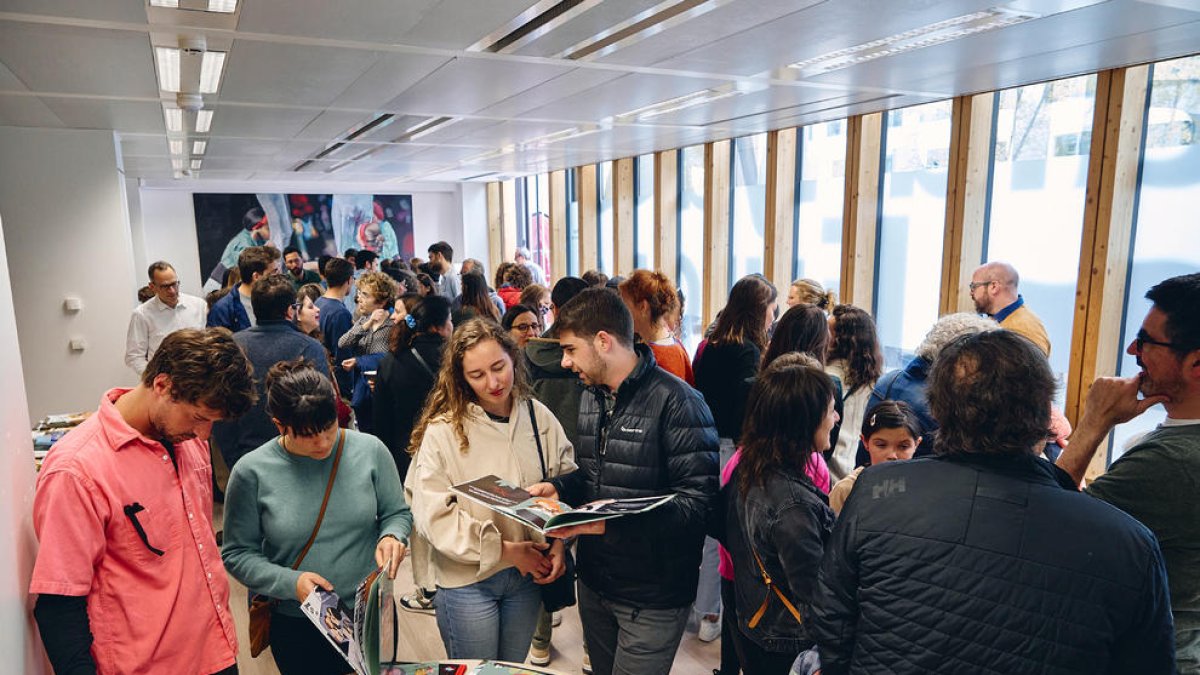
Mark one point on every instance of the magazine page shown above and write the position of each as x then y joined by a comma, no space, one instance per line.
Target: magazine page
336,623
603,509
430,668
494,668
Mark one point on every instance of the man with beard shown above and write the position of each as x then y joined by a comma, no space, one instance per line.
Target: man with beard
993,287
1157,480
128,573
642,432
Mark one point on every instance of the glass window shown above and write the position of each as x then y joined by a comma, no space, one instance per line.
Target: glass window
604,226
643,215
911,224
820,195
572,225
1039,177
1165,245
536,230
691,244
748,205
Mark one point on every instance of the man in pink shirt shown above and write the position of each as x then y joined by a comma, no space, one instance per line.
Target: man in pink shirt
129,574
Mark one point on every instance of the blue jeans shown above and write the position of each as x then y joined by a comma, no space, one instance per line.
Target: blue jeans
490,619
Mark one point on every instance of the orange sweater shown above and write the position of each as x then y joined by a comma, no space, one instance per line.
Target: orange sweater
673,358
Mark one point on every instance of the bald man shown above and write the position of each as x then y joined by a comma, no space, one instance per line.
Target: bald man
994,289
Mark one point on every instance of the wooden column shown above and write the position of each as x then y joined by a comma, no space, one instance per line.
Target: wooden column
624,204
971,138
666,212
1108,223
778,228
495,219
860,230
585,190
716,227
558,226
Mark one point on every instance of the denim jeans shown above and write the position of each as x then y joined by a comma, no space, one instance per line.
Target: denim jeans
489,619
625,640
708,590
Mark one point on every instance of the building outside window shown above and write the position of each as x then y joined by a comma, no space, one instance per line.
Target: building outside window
820,194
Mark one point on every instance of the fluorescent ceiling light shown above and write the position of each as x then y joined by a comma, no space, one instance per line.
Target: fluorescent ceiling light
173,4
174,119
168,68
198,147
223,6
177,164
203,121
558,136
210,72
677,103
195,165
918,38
176,147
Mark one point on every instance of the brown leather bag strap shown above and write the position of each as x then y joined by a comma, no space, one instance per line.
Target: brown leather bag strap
337,458
770,584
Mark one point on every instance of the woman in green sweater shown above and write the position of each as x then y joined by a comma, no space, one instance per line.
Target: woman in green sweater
272,504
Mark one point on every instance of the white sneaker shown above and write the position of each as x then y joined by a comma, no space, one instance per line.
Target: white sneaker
709,630
556,619
539,656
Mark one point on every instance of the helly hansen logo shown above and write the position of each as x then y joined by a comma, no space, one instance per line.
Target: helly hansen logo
632,431
887,488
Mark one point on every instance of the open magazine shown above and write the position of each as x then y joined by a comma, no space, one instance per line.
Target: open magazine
365,631
485,668
544,513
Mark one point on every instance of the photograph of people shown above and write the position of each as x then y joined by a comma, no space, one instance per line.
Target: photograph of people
477,423
274,498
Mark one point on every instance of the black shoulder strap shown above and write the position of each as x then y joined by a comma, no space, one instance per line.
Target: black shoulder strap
417,355
537,436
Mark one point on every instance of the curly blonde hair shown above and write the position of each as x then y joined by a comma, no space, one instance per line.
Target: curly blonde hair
379,286
451,393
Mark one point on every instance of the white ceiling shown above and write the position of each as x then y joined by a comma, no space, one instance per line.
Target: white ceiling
301,74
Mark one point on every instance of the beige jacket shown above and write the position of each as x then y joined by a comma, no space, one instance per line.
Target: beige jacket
464,536
1025,322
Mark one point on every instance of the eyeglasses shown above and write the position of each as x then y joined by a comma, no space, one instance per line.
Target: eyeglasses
525,327
1144,339
976,284
167,287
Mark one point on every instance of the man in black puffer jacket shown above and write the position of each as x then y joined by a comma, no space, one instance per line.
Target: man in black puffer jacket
642,432
986,559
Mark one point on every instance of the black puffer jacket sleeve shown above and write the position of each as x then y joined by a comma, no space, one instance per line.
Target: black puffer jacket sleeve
835,602
688,438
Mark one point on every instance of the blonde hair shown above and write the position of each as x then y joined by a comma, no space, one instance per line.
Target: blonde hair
379,286
813,293
451,393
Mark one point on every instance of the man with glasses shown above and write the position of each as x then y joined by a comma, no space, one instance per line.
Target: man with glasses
993,287
166,312
1158,478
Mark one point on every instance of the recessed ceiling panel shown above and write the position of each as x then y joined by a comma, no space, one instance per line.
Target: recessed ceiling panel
597,19
26,111
144,145
624,95
458,24
466,85
530,101
387,78
100,114
239,148
261,122
260,72
360,20
132,11
333,124
65,59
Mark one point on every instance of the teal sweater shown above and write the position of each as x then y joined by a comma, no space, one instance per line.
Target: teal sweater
271,505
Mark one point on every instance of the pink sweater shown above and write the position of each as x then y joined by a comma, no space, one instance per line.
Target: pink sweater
817,471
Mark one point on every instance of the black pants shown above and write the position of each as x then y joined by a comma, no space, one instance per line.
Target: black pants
729,657
300,649
754,659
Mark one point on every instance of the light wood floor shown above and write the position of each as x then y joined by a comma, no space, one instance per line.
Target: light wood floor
419,635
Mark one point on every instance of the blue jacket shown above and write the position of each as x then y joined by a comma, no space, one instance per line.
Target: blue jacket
228,312
335,321
265,345
949,565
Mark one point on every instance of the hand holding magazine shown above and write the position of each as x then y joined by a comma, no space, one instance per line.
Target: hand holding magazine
362,633
545,514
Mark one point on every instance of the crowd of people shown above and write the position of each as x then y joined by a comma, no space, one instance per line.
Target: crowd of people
824,515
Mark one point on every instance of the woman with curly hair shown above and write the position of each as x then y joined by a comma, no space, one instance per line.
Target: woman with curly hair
480,419
856,359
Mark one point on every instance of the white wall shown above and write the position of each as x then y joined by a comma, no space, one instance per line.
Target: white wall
18,638
67,234
168,223
474,219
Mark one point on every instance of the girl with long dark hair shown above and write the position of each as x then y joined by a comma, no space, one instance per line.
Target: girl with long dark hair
856,358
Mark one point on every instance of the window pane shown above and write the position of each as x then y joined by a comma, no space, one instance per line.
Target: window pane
604,194
1166,243
538,237
572,225
909,277
819,198
691,243
1039,176
748,181
643,217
